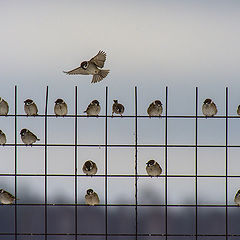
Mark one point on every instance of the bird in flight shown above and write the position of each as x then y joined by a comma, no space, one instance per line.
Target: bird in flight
91,67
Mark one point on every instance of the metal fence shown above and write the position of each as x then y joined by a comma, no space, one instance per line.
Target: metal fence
135,176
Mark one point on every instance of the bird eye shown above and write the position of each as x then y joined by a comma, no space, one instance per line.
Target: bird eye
84,65
158,102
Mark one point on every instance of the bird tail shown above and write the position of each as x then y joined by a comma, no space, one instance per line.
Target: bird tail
98,77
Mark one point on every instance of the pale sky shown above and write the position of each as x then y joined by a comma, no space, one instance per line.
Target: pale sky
149,44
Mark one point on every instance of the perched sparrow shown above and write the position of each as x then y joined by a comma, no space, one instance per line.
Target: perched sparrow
117,108
155,108
30,107
237,198
6,197
153,168
238,110
93,108
209,108
60,107
28,137
89,168
4,108
3,138
91,67
91,198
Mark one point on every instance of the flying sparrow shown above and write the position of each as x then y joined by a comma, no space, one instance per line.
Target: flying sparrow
91,198
153,168
60,108
89,168
6,197
117,108
91,67
30,107
93,108
28,137
3,138
4,108
209,108
155,109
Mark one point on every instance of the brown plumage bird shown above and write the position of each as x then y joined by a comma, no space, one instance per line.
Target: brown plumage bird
91,198
155,108
30,107
89,168
6,197
60,107
209,108
28,137
93,108
117,108
153,168
91,67
4,108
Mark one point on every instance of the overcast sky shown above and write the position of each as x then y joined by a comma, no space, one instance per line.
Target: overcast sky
149,44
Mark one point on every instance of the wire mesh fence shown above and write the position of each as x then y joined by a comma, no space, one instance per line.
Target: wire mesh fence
166,206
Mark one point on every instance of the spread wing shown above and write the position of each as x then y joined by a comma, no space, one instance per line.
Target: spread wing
78,70
96,78
99,59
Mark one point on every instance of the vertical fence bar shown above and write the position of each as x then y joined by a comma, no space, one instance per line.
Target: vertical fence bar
136,165
166,165
226,152
75,164
106,165
15,151
196,163
45,165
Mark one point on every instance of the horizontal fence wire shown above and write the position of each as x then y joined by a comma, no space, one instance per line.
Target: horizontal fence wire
122,234
106,146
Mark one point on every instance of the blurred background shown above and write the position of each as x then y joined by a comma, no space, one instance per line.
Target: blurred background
151,45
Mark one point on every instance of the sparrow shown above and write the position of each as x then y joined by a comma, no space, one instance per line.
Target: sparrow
30,107
209,108
237,198
93,108
117,108
155,108
91,198
153,168
3,138
6,197
91,67
4,108
89,168
238,110
60,107
28,137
